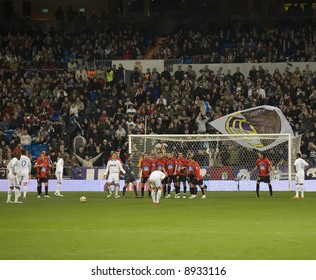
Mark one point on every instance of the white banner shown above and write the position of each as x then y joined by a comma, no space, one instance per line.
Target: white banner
160,270
257,120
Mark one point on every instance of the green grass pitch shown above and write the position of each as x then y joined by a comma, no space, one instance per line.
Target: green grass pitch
225,226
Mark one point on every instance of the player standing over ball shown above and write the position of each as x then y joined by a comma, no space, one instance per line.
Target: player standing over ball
264,166
25,168
299,167
13,173
159,164
59,173
113,168
155,184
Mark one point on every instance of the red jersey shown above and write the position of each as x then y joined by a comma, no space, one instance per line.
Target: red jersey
159,164
43,170
170,165
146,166
190,165
197,171
182,166
264,166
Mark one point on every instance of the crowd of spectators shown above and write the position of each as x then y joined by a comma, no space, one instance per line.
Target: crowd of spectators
85,113
241,42
35,49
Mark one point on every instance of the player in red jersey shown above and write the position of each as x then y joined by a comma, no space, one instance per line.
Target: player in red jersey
145,169
42,169
159,164
181,176
171,169
263,165
198,178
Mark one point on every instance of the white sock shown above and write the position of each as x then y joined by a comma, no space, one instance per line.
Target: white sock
57,188
116,190
25,191
158,195
9,194
17,195
153,195
302,190
297,189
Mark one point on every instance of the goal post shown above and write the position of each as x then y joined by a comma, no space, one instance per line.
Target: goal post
225,156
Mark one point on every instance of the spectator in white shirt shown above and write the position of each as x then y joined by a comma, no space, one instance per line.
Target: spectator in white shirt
26,139
73,110
81,75
162,100
131,111
201,121
120,132
79,141
261,93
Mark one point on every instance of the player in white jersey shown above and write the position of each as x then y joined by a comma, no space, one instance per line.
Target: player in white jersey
113,168
299,167
13,173
59,173
25,168
155,185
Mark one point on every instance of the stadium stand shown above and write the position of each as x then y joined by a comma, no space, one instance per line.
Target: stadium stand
55,84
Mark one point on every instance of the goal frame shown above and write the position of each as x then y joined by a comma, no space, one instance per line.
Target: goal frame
233,137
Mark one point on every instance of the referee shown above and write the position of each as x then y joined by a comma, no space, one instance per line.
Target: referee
129,175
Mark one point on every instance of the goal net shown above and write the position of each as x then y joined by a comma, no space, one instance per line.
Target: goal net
225,157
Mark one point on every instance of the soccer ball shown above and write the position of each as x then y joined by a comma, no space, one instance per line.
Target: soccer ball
83,199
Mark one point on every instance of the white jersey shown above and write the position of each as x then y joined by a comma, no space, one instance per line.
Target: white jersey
60,165
300,165
114,166
25,165
59,170
155,179
13,166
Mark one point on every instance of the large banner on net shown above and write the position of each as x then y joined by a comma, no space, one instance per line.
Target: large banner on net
257,120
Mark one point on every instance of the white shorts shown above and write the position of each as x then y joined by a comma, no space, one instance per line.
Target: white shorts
114,177
155,183
299,177
59,177
24,178
13,180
